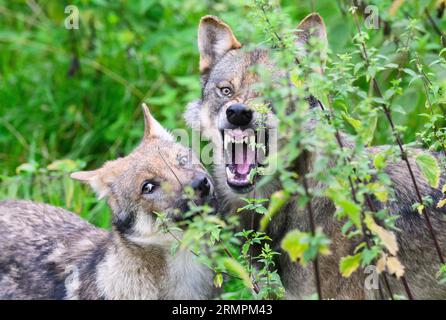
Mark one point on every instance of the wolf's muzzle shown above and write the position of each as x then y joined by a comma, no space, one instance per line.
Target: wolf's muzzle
239,115
201,186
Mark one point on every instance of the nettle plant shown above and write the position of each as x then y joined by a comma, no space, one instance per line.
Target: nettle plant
348,175
347,97
218,243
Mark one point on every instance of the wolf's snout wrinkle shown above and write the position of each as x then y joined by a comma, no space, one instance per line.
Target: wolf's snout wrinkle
201,186
239,114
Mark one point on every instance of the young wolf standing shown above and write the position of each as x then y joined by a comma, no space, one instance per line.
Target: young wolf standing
226,110
50,253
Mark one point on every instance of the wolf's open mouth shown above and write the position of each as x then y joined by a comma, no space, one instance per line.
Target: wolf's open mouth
244,152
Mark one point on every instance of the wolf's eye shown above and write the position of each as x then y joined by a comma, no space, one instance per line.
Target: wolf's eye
183,160
148,187
226,91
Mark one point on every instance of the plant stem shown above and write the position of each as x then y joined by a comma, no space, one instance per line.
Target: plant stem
304,179
355,199
434,24
313,229
403,153
307,194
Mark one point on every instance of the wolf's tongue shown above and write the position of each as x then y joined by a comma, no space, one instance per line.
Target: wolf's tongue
244,157
242,168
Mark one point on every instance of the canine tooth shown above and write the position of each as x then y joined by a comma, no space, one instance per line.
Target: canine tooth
227,141
252,142
229,173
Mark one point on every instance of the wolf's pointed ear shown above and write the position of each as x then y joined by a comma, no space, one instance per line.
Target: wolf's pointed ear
312,27
101,179
152,128
215,38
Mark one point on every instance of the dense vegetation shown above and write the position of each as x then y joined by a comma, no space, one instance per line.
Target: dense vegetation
69,99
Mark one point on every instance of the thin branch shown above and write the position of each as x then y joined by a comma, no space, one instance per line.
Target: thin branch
440,9
433,23
398,140
426,83
309,206
353,192
255,285
304,179
313,230
270,25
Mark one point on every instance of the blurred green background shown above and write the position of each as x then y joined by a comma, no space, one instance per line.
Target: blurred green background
69,99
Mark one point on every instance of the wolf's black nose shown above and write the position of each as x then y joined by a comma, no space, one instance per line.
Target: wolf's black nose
201,186
239,114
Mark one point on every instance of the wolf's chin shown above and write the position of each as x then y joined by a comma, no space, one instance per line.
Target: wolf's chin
240,183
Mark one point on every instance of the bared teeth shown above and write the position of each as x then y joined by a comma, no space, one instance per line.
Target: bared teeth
229,174
252,143
227,141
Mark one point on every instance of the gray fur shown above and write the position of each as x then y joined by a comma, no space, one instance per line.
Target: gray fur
50,253
417,252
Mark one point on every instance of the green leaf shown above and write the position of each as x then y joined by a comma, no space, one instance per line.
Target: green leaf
379,190
411,73
278,200
295,243
379,161
352,210
441,274
235,267
441,203
369,131
428,165
352,121
218,280
420,208
349,264
261,210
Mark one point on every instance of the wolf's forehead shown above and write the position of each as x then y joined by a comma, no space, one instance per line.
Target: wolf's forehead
237,63
165,152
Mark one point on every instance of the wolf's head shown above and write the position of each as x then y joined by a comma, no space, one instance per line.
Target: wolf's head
151,179
227,113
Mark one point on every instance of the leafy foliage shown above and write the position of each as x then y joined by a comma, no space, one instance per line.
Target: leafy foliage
69,100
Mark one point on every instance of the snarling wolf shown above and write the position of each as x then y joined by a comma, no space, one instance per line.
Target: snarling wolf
50,253
226,110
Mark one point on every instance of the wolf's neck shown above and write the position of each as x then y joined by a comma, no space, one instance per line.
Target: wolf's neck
131,272
151,272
